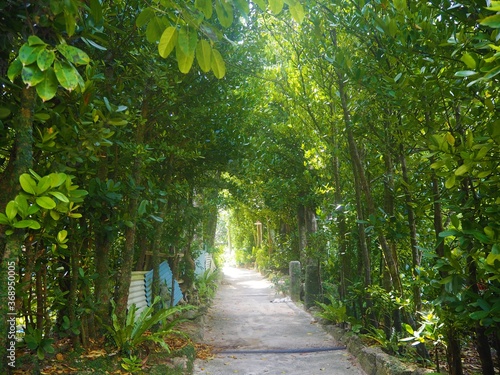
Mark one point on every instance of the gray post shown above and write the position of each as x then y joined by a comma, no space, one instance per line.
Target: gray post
312,286
295,280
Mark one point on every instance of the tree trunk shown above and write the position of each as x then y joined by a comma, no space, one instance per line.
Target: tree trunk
125,273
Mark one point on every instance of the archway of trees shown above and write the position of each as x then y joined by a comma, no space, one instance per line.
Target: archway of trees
359,137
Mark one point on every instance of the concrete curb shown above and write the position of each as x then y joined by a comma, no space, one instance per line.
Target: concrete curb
372,359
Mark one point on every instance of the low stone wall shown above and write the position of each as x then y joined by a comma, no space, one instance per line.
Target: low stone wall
372,359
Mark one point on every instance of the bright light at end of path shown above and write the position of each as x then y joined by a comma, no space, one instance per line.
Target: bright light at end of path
240,273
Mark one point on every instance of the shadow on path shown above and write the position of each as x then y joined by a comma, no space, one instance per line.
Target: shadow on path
254,336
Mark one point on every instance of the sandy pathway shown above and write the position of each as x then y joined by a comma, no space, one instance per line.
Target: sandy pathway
257,337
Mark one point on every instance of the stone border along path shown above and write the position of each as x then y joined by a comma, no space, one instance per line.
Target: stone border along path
253,336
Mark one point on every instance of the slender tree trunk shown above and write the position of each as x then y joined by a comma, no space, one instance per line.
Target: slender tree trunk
125,274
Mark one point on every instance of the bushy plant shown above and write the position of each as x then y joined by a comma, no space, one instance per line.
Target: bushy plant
206,284
136,330
335,311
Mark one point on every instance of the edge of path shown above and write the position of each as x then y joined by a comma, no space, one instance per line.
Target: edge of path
371,359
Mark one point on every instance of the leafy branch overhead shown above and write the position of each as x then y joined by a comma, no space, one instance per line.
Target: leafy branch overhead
191,29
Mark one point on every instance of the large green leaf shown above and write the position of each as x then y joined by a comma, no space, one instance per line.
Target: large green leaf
204,55
32,75
11,210
168,41
492,21
47,89
46,202
28,54
184,61
15,69
66,74
224,12
74,55
242,6
261,3
29,223
45,59
205,6
70,21
154,30
187,40
298,12
145,16
33,40
276,6
28,184
218,64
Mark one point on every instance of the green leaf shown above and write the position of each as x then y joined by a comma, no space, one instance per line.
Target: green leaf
492,73
4,220
144,17
400,5
298,12
46,202
55,215
224,12
33,40
242,6
62,236
32,224
205,6
154,30
57,179
184,61
463,169
142,207
70,21
187,40
15,69
448,233
11,210
465,73
22,205
218,64
28,184
66,74
491,21
468,60
276,6
47,89
168,41
60,196
43,185
261,4
4,112
450,182
29,54
96,11
204,55
32,75
74,55
478,315
45,59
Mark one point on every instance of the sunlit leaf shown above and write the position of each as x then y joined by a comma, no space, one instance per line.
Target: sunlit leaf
74,55
66,74
47,89
205,6
204,55
46,202
168,41
45,59
32,75
218,64
224,12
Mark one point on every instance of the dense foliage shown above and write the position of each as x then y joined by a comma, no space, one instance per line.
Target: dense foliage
359,137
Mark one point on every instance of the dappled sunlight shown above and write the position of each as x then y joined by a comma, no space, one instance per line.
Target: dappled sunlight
241,274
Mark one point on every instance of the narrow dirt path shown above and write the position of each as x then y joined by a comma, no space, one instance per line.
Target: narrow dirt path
254,336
